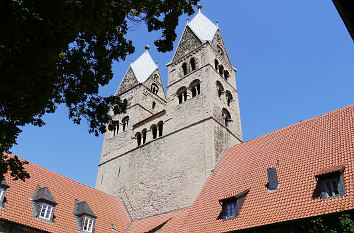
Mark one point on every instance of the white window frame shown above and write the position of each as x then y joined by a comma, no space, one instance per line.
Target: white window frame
48,209
88,224
2,193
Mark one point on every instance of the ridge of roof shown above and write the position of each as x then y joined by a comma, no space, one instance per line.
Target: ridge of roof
203,27
296,124
143,67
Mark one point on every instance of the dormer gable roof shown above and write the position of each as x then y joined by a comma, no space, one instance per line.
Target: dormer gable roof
4,183
82,208
43,194
202,27
143,67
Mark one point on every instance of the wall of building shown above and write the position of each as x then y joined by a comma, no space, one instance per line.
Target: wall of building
165,174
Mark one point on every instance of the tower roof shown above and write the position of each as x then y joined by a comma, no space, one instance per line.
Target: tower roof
202,27
143,67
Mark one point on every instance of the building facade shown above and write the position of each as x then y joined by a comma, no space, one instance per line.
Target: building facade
161,151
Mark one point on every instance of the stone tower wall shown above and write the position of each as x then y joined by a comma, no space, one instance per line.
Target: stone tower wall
168,172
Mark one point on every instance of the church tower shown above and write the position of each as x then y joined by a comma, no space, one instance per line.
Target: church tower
164,147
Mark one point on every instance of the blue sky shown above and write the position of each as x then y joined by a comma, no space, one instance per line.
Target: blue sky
295,60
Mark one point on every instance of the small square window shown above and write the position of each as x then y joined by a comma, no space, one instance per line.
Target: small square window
231,206
88,224
230,210
330,182
46,211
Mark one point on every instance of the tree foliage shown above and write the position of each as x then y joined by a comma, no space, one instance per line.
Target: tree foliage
61,52
342,222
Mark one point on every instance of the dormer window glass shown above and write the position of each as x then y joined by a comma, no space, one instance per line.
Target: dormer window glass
88,224
46,211
230,209
331,187
2,193
3,187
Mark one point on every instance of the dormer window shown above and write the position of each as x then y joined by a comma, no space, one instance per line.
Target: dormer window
84,217
88,224
231,206
331,182
3,188
46,211
43,204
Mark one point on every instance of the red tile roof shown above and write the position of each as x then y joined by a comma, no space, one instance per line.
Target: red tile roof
150,223
18,206
298,153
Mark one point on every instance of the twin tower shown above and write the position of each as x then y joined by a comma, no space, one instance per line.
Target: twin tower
162,150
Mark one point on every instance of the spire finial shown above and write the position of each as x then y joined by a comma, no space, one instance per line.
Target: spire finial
217,24
199,6
187,20
147,47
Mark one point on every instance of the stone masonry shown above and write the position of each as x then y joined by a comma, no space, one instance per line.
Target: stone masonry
187,129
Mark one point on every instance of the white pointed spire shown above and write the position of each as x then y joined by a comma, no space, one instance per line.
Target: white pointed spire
202,27
143,67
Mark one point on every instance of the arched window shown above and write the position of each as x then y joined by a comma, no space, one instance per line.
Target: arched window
192,61
154,131
138,138
144,135
125,102
226,74
219,88
154,88
182,94
220,51
226,116
221,69
216,64
160,126
195,87
115,129
184,67
228,97
153,104
125,122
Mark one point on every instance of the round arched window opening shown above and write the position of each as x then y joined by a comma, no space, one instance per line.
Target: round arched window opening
154,131
182,94
138,138
192,61
219,88
184,67
125,122
226,116
195,87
